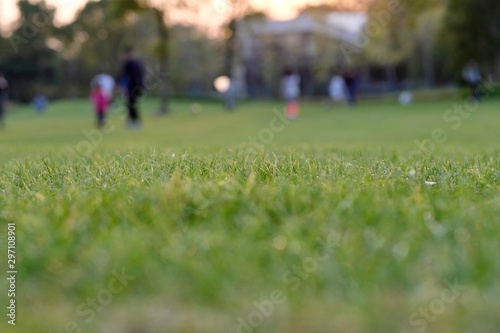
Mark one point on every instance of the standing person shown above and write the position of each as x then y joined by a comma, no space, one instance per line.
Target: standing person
290,89
351,78
4,86
107,84
472,76
337,87
131,81
100,102
230,95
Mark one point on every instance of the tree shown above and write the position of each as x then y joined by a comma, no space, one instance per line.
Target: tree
472,32
235,10
159,7
392,32
162,9
91,44
195,60
427,30
28,62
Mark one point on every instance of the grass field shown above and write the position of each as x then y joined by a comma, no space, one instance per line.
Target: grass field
242,222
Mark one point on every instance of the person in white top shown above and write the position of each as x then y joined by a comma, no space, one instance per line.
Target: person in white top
290,89
102,90
107,84
337,88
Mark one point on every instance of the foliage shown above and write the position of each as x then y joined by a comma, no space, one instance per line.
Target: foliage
472,32
91,44
395,38
27,61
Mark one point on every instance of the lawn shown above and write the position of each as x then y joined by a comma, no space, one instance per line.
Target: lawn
381,218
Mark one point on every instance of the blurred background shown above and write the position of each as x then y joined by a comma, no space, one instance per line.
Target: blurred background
55,47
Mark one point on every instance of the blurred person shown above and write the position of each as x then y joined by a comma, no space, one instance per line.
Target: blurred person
337,87
351,78
100,103
230,95
40,103
132,83
471,75
107,84
4,86
290,89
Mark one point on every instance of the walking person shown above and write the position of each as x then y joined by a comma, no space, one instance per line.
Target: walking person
100,103
132,83
103,86
4,86
290,89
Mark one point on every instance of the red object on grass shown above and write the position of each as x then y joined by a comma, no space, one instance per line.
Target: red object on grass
292,110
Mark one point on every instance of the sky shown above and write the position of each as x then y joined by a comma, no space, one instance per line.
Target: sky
66,9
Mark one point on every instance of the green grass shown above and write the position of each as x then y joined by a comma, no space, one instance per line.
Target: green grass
208,226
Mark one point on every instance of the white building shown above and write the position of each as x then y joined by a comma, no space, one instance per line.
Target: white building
312,44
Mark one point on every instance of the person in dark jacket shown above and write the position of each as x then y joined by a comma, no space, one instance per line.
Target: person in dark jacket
351,78
4,86
131,81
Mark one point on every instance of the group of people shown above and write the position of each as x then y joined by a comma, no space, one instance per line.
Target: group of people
130,84
341,88
344,87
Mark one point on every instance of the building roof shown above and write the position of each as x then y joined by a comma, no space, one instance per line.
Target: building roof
343,26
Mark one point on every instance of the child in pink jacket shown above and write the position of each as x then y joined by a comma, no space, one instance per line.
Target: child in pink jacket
100,102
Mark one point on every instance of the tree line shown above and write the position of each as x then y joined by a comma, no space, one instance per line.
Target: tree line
428,40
